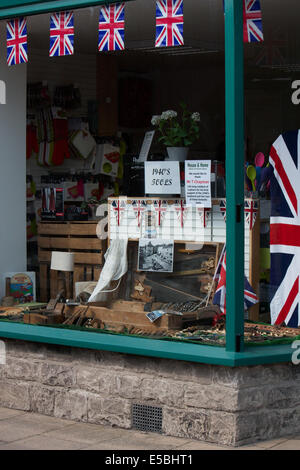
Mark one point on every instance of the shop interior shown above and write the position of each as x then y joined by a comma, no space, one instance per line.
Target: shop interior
84,107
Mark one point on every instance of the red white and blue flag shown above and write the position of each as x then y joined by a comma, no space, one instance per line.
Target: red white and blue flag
111,27
61,34
253,30
250,298
16,39
251,209
285,229
169,23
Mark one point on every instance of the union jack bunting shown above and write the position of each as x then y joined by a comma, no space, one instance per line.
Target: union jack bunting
204,213
253,30
160,208
223,208
111,27
118,208
251,208
61,33
16,39
181,210
139,208
250,298
169,23
285,229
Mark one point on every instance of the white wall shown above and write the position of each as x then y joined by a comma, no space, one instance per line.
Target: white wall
12,165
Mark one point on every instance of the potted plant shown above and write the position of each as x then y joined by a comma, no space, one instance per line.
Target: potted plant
177,133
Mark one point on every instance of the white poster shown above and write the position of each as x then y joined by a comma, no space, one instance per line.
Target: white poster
162,178
197,182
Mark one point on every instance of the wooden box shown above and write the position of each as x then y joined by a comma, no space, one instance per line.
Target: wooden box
79,238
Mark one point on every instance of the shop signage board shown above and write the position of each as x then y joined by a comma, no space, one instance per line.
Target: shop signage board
162,178
197,182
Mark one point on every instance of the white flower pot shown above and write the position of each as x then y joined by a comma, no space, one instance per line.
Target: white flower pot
177,154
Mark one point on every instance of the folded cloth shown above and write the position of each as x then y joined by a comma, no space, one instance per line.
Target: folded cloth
115,267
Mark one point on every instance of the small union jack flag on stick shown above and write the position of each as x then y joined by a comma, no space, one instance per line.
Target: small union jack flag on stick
169,23
61,34
118,207
139,208
111,27
160,208
16,36
181,211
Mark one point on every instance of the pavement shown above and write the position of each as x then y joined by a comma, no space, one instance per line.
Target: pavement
20,430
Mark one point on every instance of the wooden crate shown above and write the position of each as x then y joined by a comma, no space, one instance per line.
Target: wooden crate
79,238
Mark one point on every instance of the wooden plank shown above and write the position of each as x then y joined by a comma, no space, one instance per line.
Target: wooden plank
96,273
88,273
86,229
53,229
43,271
78,276
137,319
74,243
79,258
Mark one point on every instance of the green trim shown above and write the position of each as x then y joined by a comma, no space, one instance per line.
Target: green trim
9,9
234,115
147,347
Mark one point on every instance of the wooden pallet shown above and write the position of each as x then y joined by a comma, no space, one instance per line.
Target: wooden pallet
79,238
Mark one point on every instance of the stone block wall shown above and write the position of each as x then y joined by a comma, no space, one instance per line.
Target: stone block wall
224,405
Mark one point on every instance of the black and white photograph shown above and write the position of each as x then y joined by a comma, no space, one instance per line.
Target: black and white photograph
155,255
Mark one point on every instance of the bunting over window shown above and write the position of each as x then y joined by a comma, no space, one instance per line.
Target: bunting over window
16,37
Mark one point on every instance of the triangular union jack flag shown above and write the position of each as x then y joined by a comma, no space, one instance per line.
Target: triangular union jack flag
61,33
251,209
160,208
250,298
16,38
223,208
139,207
285,229
204,213
111,27
253,30
169,23
181,210
118,207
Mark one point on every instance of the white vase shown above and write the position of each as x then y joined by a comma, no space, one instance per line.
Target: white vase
177,154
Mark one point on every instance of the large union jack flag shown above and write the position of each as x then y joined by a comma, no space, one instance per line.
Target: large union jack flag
111,27
169,23
61,33
250,298
285,229
16,38
253,30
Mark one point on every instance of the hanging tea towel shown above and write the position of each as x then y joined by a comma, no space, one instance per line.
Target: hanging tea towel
114,268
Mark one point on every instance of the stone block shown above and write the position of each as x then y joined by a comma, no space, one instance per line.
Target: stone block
15,394
162,391
212,397
23,369
183,371
57,374
110,411
193,424
42,399
70,404
127,386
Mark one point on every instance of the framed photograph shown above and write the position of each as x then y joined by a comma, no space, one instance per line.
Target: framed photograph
156,255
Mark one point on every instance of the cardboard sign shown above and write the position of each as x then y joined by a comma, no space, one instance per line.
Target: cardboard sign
197,182
146,146
162,178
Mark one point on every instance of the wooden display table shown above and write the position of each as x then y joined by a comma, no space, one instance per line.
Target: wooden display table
79,238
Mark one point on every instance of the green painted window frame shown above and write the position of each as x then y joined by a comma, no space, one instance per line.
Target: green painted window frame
235,353
11,9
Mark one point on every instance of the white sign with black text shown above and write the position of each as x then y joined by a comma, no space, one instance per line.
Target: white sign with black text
162,178
197,182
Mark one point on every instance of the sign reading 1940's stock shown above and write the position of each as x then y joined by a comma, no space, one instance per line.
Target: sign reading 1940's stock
197,182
